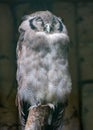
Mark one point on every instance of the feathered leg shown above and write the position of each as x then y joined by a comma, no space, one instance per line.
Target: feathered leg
58,117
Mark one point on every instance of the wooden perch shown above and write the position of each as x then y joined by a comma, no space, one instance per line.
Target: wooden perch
38,117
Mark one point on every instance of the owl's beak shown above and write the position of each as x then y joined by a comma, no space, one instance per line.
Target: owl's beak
48,28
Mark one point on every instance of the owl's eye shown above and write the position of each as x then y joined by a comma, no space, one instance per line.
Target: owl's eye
54,21
39,20
57,24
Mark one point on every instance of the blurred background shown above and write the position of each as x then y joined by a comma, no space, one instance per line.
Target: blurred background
78,17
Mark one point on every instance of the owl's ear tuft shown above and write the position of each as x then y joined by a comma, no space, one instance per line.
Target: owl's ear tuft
21,30
61,19
24,17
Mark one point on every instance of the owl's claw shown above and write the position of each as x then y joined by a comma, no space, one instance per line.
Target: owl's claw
34,106
51,106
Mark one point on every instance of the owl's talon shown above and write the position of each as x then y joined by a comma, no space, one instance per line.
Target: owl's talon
51,106
31,107
34,106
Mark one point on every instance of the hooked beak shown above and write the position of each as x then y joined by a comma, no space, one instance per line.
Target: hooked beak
48,28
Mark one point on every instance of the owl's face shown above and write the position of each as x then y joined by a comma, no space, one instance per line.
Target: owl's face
44,21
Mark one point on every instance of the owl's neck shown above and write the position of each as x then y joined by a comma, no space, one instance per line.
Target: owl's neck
54,36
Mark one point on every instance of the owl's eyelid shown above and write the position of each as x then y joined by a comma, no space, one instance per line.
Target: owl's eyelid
39,19
54,19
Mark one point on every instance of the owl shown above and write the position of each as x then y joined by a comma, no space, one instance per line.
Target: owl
42,66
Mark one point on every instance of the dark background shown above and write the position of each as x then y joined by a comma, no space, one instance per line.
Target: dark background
78,17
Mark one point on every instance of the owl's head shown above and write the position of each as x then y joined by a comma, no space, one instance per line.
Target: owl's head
43,21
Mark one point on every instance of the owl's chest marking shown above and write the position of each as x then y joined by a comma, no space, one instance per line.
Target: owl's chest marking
42,68
45,50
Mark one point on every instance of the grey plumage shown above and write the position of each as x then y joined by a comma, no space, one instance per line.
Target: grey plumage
42,60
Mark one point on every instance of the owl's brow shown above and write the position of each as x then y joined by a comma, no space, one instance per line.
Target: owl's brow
38,18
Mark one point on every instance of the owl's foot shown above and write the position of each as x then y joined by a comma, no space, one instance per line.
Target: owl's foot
51,106
34,106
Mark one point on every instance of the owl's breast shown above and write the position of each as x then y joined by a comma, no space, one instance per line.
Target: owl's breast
43,69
